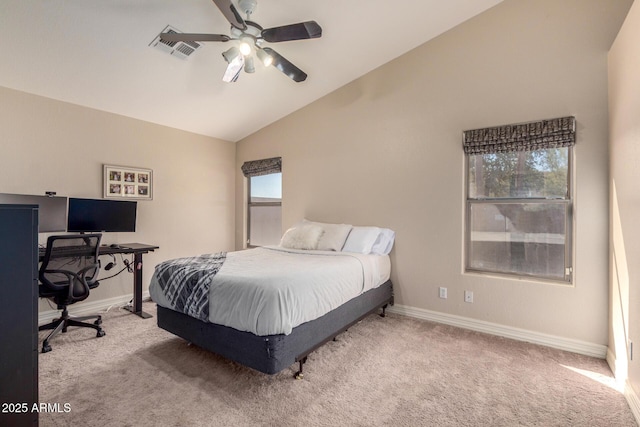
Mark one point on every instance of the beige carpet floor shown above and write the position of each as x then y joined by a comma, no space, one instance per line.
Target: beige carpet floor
393,371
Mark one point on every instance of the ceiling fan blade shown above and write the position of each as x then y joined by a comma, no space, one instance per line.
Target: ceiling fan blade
300,31
233,69
282,64
184,37
231,13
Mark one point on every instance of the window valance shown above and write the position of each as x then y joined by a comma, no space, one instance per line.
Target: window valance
540,135
262,167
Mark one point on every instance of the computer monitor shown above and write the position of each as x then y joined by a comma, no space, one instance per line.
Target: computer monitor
52,211
101,215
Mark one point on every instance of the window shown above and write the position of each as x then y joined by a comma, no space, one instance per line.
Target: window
519,203
265,210
264,207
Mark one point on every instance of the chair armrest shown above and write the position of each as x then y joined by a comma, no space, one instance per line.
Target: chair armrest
72,277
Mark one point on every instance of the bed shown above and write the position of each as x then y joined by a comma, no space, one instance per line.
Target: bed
268,308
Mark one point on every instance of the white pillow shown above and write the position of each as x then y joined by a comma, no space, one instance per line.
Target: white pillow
302,237
333,237
384,242
361,239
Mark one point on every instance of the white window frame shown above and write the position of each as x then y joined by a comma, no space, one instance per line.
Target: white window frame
569,219
251,204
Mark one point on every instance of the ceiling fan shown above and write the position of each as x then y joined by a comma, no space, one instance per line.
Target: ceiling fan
251,37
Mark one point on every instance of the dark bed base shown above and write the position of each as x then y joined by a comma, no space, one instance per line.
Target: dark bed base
273,353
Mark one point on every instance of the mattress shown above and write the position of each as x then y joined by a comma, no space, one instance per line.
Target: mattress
271,290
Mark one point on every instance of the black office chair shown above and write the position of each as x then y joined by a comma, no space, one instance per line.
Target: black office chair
68,272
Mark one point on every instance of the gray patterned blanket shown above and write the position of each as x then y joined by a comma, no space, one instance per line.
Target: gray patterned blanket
186,282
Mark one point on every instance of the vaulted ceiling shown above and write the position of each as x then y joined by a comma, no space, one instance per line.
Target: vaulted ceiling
97,53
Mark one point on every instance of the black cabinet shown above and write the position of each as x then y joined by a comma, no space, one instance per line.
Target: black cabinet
18,314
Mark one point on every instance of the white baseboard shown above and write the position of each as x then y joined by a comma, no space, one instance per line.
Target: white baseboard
567,344
632,400
85,308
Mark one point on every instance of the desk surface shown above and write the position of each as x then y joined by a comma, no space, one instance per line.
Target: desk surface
124,248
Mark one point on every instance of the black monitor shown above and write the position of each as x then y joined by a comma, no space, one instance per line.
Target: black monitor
52,211
100,215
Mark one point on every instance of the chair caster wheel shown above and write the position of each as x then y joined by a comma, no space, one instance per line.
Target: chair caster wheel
298,376
100,333
46,348
98,322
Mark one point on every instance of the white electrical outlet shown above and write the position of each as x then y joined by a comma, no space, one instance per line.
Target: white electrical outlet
443,293
468,296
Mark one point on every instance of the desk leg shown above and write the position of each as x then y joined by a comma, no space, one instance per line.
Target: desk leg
136,307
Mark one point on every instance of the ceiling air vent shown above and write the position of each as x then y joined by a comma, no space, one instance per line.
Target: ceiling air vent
180,50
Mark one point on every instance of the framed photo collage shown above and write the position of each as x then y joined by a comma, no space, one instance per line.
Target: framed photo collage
128,183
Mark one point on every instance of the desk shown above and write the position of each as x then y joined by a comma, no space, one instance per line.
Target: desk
137,249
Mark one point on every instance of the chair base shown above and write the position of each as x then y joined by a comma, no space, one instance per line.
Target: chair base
61,325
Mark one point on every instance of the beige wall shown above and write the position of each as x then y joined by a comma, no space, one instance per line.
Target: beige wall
386,150
56,146
624,145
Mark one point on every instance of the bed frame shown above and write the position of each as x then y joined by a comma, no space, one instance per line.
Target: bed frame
273,353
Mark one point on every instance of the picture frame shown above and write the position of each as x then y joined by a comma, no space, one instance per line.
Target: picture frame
123,182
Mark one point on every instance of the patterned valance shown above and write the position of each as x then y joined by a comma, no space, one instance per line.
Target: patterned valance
540,135
262,167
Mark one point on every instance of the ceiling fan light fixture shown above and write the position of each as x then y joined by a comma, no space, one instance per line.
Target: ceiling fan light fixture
263,56
245,45
248,65
231,54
